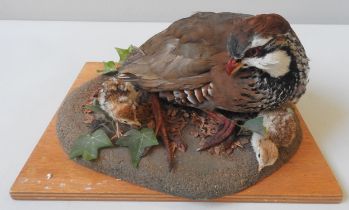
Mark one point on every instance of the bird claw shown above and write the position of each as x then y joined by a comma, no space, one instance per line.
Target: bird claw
176,145
118,132
223,133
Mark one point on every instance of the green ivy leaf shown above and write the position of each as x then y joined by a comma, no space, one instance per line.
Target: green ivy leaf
88,145
123,53
112,66
94,108
255,125
137,141
108,67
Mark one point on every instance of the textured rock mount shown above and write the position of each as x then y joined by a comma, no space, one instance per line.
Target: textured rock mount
197,175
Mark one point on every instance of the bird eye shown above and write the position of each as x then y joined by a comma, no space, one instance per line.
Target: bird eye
253,52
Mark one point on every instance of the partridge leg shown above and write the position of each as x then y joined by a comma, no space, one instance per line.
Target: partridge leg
227,127
161,129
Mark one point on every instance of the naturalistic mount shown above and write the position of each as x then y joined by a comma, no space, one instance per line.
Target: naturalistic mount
201,110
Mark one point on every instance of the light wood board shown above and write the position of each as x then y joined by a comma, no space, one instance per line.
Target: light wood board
50,175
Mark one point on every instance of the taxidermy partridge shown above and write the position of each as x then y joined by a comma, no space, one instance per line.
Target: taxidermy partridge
221,61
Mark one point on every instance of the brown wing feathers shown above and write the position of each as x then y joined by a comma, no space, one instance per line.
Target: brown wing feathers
177,62
184,49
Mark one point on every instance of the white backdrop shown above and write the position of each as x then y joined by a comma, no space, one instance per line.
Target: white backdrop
296,11
40,60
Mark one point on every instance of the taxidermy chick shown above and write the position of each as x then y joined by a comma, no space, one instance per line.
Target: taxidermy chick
124,103
281,128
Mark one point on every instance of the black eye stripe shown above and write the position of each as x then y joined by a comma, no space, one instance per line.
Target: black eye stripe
269,43
262,50
270,46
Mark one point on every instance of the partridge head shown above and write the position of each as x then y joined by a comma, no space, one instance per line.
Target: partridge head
267,48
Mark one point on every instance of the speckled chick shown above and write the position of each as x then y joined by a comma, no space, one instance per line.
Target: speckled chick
281,129
123,102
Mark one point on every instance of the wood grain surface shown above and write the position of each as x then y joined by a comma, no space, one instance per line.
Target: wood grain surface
49,174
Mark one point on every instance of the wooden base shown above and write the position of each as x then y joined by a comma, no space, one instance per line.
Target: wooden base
49,174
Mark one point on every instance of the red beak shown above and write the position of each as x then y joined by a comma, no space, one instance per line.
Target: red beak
232,66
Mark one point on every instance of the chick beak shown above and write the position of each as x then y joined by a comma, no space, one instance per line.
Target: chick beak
232,67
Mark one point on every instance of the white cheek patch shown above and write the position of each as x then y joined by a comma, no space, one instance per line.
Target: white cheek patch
275,63
258,41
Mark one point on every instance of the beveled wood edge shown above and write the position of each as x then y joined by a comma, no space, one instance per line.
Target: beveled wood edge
164,198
